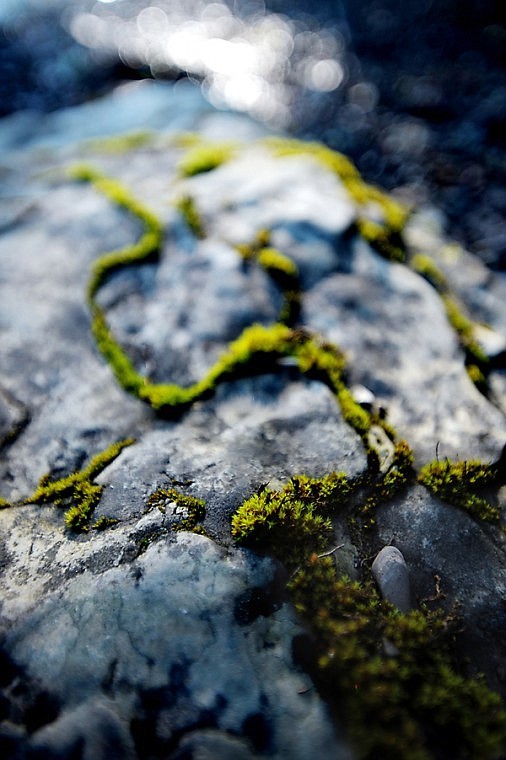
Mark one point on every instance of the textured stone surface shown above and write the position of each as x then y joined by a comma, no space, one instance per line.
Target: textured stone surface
164,626
168,644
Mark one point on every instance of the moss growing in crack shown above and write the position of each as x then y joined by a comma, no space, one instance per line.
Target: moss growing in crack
188,210
463,484
288,526
285,275
189,509
251,250
383,234
464,329
476,358
123,143
104,522
389,484
205,156
393,674
77,491
428,269
145,249
354,414
280,268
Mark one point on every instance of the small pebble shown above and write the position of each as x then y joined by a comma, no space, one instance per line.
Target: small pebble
392,576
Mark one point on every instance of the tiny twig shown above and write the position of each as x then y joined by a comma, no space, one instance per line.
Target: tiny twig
327,554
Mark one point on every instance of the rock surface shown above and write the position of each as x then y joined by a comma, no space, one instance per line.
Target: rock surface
167,644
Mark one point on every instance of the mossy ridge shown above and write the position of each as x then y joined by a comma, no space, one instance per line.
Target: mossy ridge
187,207
463,484
77,487
294,522
383,234
146,248
393,674
193,509
477,362
268,344
204,155
122,143
281,269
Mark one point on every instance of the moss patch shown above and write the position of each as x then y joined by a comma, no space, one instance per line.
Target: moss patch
203,156
124,143
188,210
188,510
477,362
383,233
77,491
463,484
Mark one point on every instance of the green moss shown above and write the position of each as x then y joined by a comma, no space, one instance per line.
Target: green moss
354,414
465,330
125,143
205,156
463,484
145,249
476,359
289,527
384,234
104,522
4,503
393,674
77,489
188,210
190,509
251,250
273,261
389,483
427,268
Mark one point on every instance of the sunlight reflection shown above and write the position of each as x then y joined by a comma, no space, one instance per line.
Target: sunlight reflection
250,61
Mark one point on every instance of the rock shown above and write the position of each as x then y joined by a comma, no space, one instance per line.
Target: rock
392,576
155,638
92,729
378,312
139,630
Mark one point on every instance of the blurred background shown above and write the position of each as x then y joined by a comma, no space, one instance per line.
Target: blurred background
412,90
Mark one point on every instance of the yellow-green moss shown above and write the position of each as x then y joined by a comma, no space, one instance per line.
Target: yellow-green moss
383,233
476,359
286,526
146,248
464,329
205,156
104,522
463,484
77,491
427,268
388,484
194,509
188,209
124,143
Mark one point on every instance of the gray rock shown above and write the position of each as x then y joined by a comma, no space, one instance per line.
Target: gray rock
399,344
392,576
164,626
92,729
136,629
